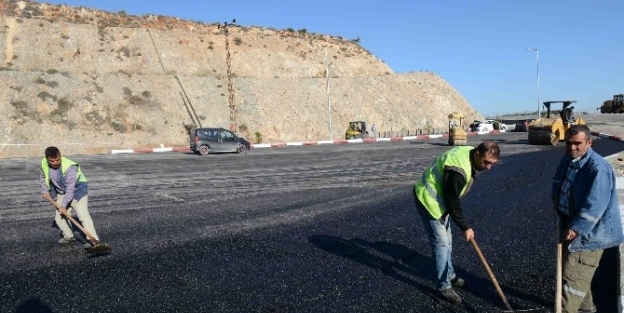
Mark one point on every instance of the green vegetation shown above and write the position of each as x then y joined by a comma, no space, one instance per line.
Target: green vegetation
60,114
52,84
44,95
258,137
118,127
19,105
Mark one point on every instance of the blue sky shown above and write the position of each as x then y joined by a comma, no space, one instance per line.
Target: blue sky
477,46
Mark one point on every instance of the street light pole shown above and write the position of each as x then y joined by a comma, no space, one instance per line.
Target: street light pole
328,101
538,79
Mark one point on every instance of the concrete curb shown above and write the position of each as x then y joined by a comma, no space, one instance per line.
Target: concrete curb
306,143
334,142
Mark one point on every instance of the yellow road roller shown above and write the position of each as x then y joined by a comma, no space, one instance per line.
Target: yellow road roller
457,133
550,130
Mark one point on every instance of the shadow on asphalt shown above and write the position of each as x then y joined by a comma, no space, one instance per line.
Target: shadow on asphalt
403,262
34,305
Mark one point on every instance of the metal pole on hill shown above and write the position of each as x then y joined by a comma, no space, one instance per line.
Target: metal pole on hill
538,79
328,102
230,84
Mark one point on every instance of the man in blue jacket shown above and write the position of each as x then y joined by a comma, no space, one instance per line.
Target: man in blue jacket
585,198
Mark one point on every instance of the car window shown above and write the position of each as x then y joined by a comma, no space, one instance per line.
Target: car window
227,135
207,133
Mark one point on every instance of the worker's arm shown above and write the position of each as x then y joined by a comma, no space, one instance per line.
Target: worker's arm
452,184
45,192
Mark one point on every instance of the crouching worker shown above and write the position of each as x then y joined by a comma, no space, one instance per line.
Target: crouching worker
438,195
62,181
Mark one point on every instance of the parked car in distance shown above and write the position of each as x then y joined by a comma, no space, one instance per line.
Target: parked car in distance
488,125
475,125
523,125
216,140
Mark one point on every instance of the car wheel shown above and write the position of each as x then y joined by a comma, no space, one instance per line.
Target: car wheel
504,128
204,150
241,149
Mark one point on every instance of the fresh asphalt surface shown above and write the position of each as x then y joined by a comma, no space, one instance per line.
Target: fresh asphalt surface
297,229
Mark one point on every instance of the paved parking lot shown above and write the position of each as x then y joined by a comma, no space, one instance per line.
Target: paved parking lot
297,229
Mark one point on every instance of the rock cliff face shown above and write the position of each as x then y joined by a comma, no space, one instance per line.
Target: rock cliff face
89,81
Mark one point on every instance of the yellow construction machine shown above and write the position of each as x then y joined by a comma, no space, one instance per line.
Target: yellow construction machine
457,133
356,130
550,130
613,106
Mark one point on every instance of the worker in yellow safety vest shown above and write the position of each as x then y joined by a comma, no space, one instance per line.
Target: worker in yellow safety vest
438,194
63,182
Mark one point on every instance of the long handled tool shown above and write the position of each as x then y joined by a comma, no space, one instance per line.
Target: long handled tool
96,245
494,281
559,290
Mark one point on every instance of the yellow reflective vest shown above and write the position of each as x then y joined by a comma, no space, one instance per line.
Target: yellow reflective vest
429,188
81,180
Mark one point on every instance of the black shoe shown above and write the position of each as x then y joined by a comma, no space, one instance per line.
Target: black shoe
458,282
591,309
450,295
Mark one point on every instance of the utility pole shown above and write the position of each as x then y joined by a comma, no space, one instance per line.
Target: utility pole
328,101
538,80
228,61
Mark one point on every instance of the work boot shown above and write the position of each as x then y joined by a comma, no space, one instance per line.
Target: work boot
450,295
591,309
66,240
458,282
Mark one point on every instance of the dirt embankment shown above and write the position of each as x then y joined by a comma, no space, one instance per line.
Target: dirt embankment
90,81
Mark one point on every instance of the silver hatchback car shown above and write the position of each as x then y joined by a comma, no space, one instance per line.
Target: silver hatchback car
216,140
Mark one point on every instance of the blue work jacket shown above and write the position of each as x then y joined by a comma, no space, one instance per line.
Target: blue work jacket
594,204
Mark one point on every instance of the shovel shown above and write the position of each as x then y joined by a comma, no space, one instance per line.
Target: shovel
559,287
494,281
96,245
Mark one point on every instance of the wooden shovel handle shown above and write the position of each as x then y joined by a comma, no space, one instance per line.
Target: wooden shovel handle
490,274
58,207
559,287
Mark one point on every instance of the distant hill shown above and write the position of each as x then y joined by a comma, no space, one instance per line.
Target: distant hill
88,81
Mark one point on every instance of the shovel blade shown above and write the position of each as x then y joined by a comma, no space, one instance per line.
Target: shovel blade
98,247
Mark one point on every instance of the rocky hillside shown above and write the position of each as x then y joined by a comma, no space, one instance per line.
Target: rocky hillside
89,81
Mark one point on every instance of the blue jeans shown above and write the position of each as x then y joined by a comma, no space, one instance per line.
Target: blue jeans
439,233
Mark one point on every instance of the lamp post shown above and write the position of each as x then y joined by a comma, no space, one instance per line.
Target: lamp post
538,79
328,101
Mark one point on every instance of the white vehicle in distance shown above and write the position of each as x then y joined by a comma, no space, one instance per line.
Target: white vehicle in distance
488,125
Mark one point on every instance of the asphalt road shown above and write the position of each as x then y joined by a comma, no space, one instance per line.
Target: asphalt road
296,229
